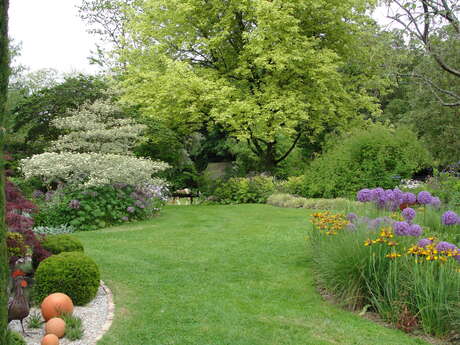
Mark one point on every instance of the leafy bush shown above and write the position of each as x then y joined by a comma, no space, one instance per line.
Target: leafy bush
241,190
16,245
91,169
57,244
19,220
374,157
15,338
285,200
292,201
293,185
102,206
54,230
72,273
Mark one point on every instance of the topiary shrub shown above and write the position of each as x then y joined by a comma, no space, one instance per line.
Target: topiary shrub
57,244
14,338
374,157
72,273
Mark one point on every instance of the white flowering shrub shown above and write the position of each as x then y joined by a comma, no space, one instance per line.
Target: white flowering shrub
92,169
101,182
97,127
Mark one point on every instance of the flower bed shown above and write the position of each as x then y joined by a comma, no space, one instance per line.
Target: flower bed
400,258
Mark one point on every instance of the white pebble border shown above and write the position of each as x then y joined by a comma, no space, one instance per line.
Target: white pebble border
97,317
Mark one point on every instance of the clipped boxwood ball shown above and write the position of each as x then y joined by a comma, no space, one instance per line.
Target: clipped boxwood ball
71,273
57,244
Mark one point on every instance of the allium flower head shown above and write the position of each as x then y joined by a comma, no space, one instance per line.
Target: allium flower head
352,217
415,230
449,218
446,246
409,198
408,214
424,242
401,228
435,202
364,195
424,198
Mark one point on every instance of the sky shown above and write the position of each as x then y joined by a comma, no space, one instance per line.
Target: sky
53,36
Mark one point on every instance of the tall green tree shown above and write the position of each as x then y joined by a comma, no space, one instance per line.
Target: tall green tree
4,74
260,69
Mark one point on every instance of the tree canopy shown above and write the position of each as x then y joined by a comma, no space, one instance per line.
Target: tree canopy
261,69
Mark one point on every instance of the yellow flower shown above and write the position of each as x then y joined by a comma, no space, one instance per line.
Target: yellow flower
393,255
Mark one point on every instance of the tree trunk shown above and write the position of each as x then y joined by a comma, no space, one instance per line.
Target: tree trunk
4,74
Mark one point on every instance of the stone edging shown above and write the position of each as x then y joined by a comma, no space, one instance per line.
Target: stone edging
110,314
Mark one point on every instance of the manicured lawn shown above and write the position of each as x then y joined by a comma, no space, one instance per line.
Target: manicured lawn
221,275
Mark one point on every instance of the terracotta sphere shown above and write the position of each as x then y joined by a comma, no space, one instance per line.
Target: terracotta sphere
55,305
50,339
55,326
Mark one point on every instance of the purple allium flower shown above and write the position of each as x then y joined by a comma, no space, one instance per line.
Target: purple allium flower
449,218
424,242
401,228
125,218
38,194
351,227
408,214
409,198
130,209
375,223
75,204
352,217
415,230
364,195
435,202
424,198
446,246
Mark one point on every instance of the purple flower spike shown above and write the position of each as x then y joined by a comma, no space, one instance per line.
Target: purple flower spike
408,214
446,246
449,218
424,198
401,228
424,242
415,230
131,209
364,195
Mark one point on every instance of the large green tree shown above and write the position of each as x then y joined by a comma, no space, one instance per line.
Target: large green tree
33,114
260,69
4,73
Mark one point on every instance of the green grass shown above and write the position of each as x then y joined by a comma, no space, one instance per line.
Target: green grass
221,275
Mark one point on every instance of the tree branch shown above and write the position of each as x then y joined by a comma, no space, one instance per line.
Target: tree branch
290,149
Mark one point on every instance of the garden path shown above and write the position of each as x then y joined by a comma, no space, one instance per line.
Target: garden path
222,275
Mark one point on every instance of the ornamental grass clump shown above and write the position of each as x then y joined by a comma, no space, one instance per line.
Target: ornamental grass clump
385,263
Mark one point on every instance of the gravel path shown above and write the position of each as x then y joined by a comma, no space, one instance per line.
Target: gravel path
96,317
